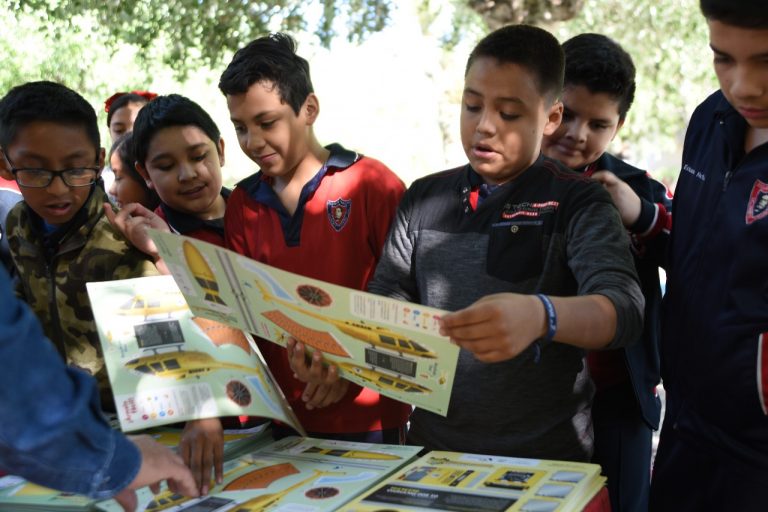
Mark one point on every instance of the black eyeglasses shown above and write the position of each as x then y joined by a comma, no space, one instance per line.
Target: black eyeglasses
41,178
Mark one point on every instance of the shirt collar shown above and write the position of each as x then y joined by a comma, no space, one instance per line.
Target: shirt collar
184,223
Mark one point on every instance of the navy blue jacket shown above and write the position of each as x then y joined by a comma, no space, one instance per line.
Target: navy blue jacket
650,235
714,347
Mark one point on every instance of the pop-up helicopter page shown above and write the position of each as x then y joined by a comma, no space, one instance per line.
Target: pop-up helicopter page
292,474
166,365
391,346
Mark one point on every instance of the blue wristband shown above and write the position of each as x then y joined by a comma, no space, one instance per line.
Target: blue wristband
549,309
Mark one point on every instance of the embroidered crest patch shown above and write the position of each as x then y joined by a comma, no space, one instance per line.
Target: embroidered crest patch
338,212
758,202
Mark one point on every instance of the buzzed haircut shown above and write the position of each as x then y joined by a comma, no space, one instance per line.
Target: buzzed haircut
739,13
165,112
531,47
48,102
601,65
270,59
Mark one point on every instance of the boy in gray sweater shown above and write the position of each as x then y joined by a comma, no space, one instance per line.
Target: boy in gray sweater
531,258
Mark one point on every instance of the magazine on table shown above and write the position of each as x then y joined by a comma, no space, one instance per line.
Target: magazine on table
294,473
463,482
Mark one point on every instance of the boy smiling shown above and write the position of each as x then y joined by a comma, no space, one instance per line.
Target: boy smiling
319,211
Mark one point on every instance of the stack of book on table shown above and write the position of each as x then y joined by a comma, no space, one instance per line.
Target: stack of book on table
305,474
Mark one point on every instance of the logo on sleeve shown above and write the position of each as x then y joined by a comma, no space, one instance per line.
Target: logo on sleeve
758,202
338,212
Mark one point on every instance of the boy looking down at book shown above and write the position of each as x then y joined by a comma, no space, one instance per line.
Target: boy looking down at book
598,92
179,151
714,330
531,258
58,235
322,212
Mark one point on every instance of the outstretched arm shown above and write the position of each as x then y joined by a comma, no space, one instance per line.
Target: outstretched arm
501,326
53,432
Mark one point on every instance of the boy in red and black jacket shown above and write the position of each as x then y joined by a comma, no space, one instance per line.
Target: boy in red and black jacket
599,88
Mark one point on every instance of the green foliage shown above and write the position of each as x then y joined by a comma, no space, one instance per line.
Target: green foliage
185,34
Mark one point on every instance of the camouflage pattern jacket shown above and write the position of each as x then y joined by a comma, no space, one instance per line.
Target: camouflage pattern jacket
53,269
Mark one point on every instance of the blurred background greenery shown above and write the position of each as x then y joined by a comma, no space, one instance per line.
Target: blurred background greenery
388,73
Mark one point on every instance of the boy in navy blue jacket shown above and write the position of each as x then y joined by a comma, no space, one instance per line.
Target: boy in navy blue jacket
714,343
598,92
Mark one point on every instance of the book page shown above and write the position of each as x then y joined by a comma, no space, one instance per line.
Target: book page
167,365
391,346
462,482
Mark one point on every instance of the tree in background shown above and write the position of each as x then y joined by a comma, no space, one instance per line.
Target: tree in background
82,39
185,34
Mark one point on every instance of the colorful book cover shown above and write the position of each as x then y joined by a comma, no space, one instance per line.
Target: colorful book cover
462,482
166,365
298,474
391,346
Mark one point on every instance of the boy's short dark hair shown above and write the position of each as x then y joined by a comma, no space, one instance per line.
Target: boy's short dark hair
122,101
740,13
273,59
601,65
164,112
531,47
46,101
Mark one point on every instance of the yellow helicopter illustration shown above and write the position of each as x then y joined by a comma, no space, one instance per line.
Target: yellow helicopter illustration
375,335
180,365
202,273
383,380
351,454
146,306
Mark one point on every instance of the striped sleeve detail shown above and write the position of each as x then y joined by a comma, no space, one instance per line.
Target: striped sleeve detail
661,223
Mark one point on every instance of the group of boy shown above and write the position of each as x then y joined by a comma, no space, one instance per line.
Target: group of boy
537,263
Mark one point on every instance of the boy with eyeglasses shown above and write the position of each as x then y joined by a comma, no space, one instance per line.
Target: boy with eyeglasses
58,235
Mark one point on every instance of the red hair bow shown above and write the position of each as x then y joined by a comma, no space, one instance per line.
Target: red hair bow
149,96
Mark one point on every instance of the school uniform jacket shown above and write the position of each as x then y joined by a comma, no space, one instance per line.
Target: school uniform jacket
650,236
550,230
715,316
335,235
53,269
211,231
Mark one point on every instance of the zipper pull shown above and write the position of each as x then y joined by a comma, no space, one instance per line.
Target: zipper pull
727,179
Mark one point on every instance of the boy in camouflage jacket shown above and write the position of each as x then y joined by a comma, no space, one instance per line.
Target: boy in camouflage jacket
59,237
